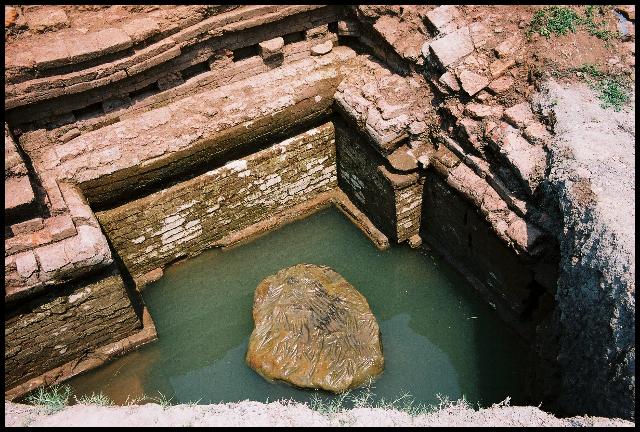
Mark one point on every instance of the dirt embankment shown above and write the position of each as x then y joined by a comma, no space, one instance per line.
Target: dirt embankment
287,414
592,171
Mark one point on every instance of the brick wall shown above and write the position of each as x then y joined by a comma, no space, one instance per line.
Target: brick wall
408,209
451,225
187,218
361,179
392,201
62,325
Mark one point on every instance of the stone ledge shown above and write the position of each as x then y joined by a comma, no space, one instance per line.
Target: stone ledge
50,87
108,146
69,246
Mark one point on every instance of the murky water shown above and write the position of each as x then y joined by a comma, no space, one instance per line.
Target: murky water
438,336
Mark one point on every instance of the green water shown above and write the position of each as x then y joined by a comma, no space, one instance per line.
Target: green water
438,336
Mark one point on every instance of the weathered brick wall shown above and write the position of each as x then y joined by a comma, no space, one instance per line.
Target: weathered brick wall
453,226
408,210
62,325
187,218
392,201
159,65
361,179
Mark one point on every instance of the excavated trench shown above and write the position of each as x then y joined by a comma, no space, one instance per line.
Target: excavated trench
175,179
180,212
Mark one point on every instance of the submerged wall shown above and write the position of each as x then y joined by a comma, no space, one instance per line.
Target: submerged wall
453,226
185,219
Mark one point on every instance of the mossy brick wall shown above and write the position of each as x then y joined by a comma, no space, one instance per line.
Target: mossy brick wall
63,324
185,219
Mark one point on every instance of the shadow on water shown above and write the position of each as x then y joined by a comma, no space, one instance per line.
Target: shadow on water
202,310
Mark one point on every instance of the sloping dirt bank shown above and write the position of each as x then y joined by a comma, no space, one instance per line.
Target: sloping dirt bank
592,161
286,414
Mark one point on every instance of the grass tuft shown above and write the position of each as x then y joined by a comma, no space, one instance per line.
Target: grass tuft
366,399
612,90
162,400
53,398
95,399
560,20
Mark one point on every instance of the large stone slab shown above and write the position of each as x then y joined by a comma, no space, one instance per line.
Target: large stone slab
17,193
314,330
452,47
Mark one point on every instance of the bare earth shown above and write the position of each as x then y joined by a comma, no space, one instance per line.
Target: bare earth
287,414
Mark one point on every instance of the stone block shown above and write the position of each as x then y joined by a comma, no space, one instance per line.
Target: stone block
520,115
450,80
402,160
27,227
60,227
499,67
141,29
471,82
537,133
26,264
71,134
322,49
527,161
501,84
83,252
50,55
52,257
271,48
508,47
524,234
46,19
441,17
415,241
480,34
348,28
317,32
452,47
480,111
111,40
17,192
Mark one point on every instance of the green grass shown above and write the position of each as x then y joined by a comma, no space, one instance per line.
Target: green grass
366,399
95,399
612,93
53,398
597,28
612,90
560,20
161,400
